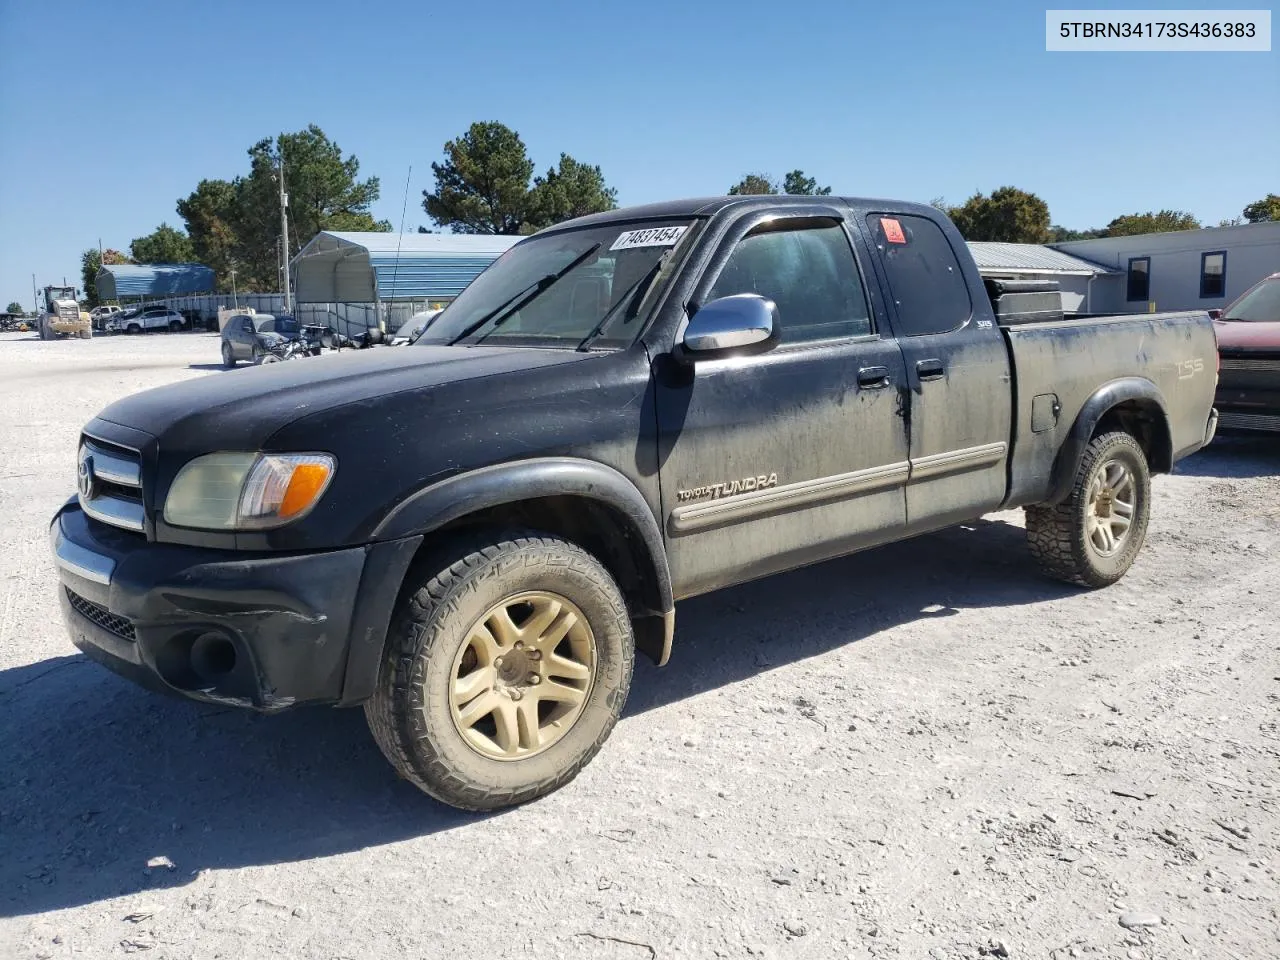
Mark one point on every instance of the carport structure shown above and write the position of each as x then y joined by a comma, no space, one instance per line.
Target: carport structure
431,268
149,281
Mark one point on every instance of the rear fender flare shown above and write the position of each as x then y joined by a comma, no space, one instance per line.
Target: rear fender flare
1105,399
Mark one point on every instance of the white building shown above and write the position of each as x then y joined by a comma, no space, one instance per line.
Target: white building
1184,270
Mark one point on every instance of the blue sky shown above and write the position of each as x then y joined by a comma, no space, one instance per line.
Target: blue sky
913,100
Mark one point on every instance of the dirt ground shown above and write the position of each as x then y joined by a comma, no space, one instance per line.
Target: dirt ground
922,751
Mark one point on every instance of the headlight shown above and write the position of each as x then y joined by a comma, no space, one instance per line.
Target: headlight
247,491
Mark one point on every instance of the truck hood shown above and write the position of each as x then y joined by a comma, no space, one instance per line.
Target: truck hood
1248,334
240,409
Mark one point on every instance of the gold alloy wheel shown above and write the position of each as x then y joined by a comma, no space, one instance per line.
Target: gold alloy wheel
1113,498
522,676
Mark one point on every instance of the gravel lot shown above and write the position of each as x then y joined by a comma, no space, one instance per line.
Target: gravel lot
921,751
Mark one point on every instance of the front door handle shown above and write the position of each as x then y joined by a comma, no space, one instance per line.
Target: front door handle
930,369
873,378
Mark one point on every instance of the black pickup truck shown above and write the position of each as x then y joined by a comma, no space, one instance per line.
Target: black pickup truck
472,535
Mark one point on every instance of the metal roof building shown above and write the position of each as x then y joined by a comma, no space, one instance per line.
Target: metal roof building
1074,275
117,281
370,267
1016,259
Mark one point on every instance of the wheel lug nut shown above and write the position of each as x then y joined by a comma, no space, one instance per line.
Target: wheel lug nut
534,679
514,694
519,645
498,662
535,655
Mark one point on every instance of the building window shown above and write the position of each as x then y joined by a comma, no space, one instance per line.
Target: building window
1139,278
1213,275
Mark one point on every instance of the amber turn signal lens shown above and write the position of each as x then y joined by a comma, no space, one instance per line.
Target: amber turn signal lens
306,484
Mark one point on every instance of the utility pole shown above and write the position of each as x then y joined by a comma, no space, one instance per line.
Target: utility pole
284,236
35,293
235,298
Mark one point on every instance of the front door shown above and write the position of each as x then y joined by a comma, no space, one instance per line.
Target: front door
794,455
958,371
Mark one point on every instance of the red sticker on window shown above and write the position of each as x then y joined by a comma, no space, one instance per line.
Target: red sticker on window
892,230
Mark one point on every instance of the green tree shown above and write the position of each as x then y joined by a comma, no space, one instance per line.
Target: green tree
754,184
163,245
798,184
483,184
324,193
1059,234
90,262
210,214
15,307
1233,222
570,189
1009,215
1165,221
1264,210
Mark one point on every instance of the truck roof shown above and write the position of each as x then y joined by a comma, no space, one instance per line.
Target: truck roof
707,206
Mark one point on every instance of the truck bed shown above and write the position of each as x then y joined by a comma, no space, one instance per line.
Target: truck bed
1058,365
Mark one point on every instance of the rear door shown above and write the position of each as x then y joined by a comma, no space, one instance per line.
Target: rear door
796,454
957,368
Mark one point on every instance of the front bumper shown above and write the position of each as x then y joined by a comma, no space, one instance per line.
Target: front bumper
259,630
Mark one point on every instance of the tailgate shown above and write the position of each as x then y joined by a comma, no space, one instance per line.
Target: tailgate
1058,367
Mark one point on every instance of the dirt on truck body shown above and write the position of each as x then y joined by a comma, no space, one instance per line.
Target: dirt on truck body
473,535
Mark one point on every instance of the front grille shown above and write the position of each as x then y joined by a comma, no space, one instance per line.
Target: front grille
1249,421
113,477
96,613
1230,363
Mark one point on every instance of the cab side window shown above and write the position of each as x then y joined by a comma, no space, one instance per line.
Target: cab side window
809,273
925,278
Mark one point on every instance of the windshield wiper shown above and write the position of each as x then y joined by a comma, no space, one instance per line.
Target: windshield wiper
628,299
500,315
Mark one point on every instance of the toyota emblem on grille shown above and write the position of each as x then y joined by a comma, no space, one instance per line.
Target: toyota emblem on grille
84,476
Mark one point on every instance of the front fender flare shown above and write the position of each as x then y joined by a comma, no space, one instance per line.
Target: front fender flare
1105,399
448,500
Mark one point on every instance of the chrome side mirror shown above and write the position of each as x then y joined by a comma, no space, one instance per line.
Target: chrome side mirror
743,323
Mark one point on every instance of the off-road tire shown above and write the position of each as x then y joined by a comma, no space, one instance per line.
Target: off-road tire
409,713
1057,535
228,358
86,334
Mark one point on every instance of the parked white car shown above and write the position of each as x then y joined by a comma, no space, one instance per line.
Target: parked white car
148,318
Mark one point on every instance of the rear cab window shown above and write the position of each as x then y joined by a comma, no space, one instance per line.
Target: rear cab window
926,281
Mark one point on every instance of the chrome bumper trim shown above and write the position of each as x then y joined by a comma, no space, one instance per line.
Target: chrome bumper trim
77,560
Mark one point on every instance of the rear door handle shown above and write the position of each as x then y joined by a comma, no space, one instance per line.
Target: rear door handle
873,378
930,369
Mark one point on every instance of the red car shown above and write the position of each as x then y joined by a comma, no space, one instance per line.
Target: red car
1249,355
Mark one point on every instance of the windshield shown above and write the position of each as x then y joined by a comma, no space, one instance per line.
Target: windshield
1262,303
565,289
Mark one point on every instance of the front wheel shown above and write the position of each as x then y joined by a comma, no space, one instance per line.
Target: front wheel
1093,537
175,326
506,666
133,328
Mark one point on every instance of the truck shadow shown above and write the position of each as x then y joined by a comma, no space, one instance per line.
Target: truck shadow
1235,455
103,776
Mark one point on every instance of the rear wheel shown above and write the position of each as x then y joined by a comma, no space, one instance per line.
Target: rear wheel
175,326
506,666
228,359
1093,537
